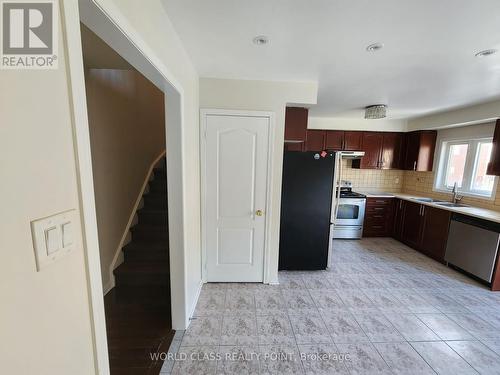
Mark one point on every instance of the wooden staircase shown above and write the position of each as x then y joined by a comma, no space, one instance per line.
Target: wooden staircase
138,319
146,256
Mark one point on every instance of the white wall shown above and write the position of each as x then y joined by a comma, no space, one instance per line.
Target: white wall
479,113
45,324
335,123
262,96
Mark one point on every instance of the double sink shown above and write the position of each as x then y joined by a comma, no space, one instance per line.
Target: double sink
440,202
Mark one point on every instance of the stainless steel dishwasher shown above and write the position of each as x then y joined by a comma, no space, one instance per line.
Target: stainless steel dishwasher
473,245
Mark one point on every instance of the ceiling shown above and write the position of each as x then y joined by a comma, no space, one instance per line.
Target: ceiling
427,64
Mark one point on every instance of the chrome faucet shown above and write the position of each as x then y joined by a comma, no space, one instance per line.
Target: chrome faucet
455,197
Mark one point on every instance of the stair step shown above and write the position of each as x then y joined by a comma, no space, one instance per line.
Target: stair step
144,252
155,200
160,173
152,216
137,274
158,186
150,233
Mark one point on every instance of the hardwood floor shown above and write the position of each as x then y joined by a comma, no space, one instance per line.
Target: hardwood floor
138,322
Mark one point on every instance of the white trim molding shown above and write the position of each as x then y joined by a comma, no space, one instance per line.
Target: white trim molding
268,209
81,140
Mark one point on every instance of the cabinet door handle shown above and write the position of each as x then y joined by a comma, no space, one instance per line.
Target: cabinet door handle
415,165
378,208
423,210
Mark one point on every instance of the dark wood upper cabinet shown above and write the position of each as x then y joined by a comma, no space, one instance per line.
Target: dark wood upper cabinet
352,141
371,144
339,140
334,140
391,151
294,146
494,164
315,140
436,223
296,123
382,150
420,147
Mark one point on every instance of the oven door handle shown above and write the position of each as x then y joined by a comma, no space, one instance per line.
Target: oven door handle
352,201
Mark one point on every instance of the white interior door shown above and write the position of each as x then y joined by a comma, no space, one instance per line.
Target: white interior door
236,159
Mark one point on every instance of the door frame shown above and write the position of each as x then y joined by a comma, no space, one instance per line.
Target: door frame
203,171
107,22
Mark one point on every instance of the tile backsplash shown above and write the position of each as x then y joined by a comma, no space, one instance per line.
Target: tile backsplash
408,182
421,183
372,179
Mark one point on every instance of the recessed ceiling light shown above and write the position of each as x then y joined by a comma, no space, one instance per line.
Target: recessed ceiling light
375,47
486,52
260,40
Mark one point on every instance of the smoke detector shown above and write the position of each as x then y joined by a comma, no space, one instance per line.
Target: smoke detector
375,47
376,111
260,40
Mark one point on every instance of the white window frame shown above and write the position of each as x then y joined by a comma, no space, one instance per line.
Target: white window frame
469,169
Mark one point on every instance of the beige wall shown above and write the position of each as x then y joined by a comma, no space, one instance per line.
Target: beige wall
44,316
337,123
127,133
478,113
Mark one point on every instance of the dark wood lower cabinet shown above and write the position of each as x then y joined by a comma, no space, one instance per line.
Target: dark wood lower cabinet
378,217
435,232
412,225
422,227
399,209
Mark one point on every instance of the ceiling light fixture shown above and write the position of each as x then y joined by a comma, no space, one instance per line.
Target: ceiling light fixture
486,52
375,47
260,40
377,111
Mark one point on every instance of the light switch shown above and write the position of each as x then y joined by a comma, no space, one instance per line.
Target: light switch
67,234
53,237
52,240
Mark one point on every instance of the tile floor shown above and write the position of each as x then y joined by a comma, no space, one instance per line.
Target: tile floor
380,308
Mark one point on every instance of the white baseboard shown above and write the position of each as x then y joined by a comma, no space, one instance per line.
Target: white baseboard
193,307
126,237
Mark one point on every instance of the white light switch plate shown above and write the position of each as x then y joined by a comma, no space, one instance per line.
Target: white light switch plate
53,237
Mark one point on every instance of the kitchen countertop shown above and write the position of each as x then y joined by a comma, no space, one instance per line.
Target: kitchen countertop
481,213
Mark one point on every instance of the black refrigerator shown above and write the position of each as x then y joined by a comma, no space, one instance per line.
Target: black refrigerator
306,201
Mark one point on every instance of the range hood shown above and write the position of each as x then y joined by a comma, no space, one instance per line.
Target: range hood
352,154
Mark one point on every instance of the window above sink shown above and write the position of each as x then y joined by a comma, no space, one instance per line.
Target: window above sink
464,162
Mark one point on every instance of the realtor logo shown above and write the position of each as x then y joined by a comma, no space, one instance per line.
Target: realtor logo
29,35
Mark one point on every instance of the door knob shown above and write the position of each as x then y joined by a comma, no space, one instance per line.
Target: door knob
259,213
